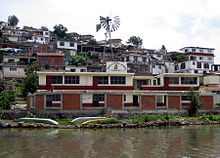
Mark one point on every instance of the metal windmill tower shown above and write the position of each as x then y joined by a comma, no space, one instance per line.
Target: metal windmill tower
110,25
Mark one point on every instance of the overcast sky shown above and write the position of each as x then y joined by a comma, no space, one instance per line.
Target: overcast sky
173,23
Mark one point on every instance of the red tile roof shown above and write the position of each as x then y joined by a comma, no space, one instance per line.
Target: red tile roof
50,54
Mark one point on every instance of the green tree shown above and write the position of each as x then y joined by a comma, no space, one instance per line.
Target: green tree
69,38
6,98
13,20
135,41
44,28
60,31
176,56
74,60
195,103
30,83
92,42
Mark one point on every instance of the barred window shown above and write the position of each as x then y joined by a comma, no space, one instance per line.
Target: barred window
173,80
57,80
103,80
188,80
98,97
52,97
117,79
71,79
185,98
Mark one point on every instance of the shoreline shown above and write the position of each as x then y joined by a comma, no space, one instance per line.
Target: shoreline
157,123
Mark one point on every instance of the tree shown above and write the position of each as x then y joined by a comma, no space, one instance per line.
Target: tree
13,20
44,28
30,83
92,42
179,57
60,31
6,98
195,103
135,41
74,60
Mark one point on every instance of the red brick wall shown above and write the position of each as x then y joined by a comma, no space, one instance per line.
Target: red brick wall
147,102
39,102
71,101
207,102
51,60
114,101
174,102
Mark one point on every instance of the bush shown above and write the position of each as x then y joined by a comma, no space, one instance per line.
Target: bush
6,98
109,121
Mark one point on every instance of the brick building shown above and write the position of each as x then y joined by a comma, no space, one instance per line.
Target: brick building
115,90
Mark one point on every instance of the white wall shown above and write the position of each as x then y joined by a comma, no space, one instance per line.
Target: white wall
18,73
66,45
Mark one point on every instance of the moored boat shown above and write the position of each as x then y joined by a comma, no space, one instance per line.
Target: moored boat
84,119
37,120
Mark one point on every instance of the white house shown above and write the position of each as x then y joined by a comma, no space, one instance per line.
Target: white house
67,45
13,71
200,60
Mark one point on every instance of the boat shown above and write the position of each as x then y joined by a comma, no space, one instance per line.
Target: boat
92,121
37,120
84,119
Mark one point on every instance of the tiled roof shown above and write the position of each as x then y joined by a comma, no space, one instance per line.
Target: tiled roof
50,54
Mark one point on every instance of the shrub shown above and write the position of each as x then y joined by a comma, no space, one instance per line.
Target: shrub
109,121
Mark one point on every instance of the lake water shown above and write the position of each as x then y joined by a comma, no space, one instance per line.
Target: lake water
199,141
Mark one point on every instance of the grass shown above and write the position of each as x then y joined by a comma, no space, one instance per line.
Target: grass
67,122
110,121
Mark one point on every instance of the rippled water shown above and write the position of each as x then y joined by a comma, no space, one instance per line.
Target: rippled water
125,143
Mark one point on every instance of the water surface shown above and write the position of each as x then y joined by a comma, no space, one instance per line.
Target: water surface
199,141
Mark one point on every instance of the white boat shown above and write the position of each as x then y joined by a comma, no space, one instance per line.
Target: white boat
83,119
37,120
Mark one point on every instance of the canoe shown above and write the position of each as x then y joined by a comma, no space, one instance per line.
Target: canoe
84,119
37,120
92,121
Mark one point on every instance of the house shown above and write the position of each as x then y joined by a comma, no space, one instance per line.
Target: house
86,37
13,71
115,90
51,61
200,60
67,46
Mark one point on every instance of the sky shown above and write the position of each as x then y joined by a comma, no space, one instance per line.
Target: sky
173,23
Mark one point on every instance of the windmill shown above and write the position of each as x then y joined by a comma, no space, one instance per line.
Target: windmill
110,25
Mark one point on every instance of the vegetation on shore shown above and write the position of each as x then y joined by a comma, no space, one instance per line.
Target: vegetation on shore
146,118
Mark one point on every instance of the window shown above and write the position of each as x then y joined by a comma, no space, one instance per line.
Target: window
71,79
117,79
183,66
127,58
98,97
192,58
44,59
176,67
206,66
158,55
71,44
188,80
124,97
73,70
46,33
186,50
159,66
57,80
200,58
61,43
13,69
185,98
201,50
158,81
11,60
199,65
35,38
153,66
41,39
102,79
135,59
154,82
193,63
209,58
82,70
193,50
173,80
195,71
144,59
52,97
